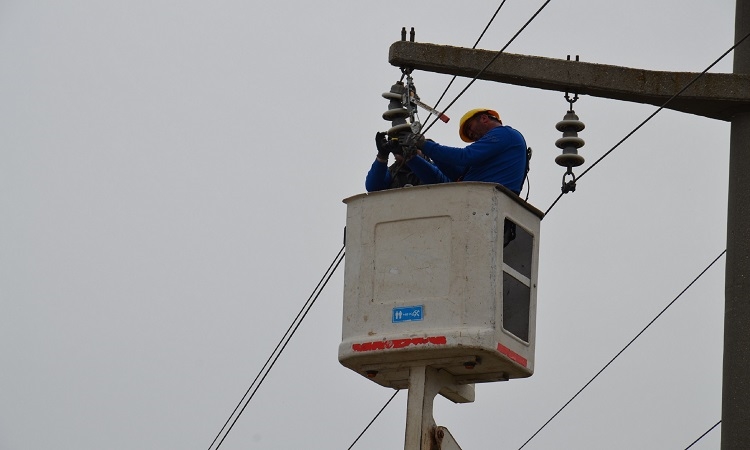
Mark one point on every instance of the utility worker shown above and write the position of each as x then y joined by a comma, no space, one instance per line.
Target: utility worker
496,153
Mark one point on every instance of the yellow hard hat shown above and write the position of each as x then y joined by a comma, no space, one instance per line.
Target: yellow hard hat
469,115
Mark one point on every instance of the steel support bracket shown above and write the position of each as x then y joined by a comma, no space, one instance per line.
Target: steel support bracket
424,384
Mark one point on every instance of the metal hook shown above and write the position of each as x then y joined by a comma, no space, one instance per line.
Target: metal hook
571,101
570,186
567,96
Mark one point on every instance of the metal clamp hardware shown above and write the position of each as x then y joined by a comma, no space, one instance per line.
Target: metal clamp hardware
570,186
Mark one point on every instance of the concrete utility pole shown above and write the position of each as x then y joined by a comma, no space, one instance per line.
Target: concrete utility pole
717,96
735,408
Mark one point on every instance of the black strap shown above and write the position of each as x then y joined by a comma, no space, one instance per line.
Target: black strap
528,167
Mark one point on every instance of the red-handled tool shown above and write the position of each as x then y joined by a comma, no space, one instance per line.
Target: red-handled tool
432,110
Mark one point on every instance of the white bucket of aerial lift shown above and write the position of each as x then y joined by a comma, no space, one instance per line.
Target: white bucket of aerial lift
428,282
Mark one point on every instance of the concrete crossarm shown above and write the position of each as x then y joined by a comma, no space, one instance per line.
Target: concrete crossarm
714,95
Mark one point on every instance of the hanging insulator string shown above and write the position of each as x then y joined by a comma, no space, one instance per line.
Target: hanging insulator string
570,142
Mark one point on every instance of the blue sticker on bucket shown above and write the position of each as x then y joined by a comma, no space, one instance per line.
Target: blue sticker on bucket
407,314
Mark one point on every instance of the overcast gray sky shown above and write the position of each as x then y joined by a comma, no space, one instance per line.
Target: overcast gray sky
171,177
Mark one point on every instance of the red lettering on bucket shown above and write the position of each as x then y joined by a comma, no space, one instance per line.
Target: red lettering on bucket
399,343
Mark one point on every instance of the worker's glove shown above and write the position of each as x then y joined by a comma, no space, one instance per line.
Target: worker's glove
411,140
382,145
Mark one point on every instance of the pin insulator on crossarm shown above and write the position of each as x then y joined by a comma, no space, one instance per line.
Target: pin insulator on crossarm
396,113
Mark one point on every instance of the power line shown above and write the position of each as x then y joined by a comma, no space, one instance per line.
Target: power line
481,35
623,349
703,435
279,349
489,63
658,110
373,419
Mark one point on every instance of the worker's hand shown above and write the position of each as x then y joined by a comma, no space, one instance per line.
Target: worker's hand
382,145
411,140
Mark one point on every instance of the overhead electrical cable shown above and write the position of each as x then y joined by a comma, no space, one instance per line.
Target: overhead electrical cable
703,435
450,83
658,110
373,419
623,349
278,350
481,35
502,50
